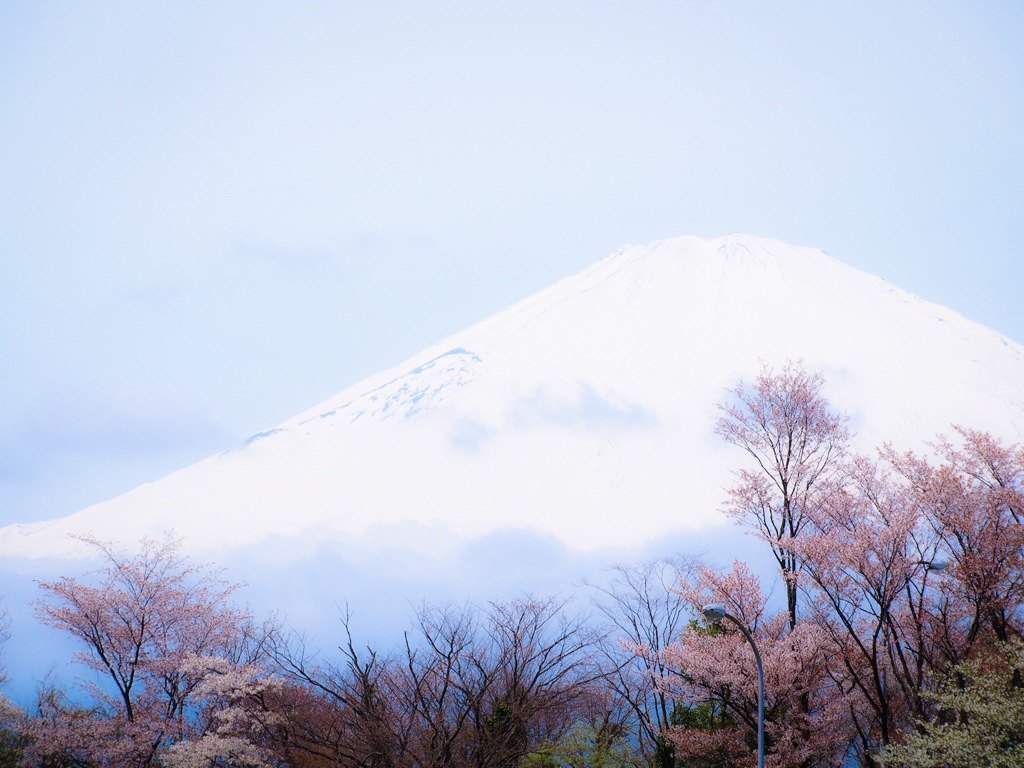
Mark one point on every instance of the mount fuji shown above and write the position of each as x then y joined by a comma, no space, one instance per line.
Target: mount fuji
583,415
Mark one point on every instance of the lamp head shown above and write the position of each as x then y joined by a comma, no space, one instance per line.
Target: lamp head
938,564
714,612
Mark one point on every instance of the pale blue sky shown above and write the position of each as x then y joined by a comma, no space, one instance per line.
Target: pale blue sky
215,215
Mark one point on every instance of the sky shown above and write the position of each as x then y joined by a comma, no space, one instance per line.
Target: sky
215,215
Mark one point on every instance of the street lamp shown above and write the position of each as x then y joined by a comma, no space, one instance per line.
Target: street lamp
715,612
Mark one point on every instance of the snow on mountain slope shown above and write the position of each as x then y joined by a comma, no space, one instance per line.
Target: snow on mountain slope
585,412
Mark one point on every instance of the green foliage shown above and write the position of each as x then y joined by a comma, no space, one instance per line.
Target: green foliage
705,628
585,746
12,745
664,753
979,721
707,716
506,732
12,741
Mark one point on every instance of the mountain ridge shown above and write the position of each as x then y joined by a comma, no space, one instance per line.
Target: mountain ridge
573,409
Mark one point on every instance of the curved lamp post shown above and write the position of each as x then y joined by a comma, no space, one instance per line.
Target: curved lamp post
716,612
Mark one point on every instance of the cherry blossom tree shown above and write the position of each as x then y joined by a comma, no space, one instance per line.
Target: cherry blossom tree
143,620
862,535
806,718
241,727
795,439
865,555
11,719
975,502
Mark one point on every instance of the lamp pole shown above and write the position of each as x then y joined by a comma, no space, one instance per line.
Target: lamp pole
716,612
